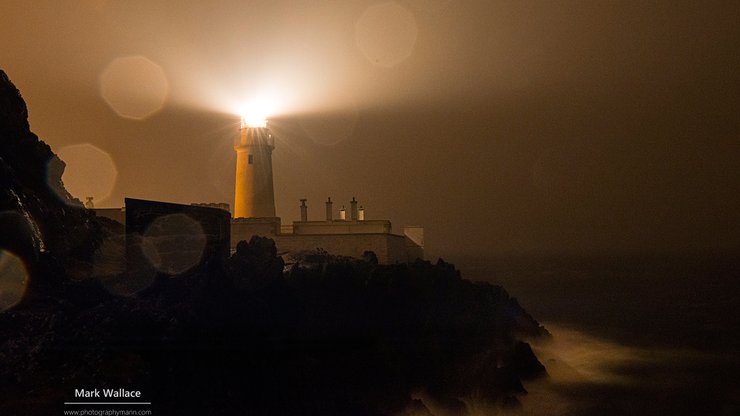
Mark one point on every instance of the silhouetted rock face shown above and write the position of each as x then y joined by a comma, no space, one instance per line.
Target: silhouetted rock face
40,222
330,336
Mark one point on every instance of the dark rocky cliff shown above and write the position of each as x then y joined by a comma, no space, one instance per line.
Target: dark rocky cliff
330,336
40,222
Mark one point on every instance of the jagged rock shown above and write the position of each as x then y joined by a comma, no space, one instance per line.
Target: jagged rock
526,364
43,224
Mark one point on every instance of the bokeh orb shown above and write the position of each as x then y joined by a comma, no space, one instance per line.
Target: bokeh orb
90,172
109,265
430,6
386,34
134,87
14,279
173,244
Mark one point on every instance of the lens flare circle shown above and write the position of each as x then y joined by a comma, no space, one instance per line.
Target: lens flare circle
134,87
386,34
174,244
109,265
90,172
430,6
14,279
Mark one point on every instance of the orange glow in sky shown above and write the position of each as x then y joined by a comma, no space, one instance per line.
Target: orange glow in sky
570,133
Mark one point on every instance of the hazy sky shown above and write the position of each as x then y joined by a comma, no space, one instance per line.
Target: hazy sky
500,127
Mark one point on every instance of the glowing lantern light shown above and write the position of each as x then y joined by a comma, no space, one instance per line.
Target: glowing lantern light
255,113
253,121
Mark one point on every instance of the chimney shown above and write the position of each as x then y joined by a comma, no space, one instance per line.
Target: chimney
353,209
342,214
328,209
304,210
361,214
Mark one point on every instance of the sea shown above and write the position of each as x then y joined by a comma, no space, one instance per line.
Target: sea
631,334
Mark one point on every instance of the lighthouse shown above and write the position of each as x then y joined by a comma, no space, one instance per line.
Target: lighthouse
254,195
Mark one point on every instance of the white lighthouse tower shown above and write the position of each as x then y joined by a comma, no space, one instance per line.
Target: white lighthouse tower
254,195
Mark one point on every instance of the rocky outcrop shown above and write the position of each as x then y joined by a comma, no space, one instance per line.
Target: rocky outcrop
41,223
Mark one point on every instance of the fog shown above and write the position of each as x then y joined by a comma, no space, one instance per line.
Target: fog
502,127
508,129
